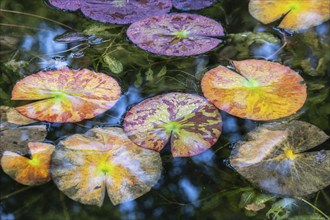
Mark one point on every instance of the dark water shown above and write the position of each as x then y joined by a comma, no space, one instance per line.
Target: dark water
200,187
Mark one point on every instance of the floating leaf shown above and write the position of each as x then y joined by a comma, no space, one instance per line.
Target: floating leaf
85,166
176,34
261,90
187,5
190,122
116,11
17,138
34,171
298,15
66,95
274,158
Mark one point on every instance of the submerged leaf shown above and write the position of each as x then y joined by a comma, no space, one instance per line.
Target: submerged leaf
187,5
116,11
176,34
298,14
66,95
261,90
17,138
34,171
274,158
189,122
86,166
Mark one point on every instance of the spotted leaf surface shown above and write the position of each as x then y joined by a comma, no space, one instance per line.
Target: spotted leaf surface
116,11
176,34
187,5
274,159
86,166
66,95
29,171
189,122
297,14
259,90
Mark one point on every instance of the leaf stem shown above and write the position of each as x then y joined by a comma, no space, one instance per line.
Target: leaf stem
314,207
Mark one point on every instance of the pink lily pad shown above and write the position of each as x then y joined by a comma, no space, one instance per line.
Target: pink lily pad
188,5
176,34
189,122
116,11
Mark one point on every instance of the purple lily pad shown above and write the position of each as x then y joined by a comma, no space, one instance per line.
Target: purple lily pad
188,5
116,11
176,34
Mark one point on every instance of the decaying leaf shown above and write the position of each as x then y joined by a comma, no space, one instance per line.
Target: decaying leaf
259,90
66,95
176,34
297,14
189,122
29,171
10,118
274,159
104,159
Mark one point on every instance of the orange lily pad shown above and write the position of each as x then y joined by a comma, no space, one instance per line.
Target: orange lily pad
258,89
298,14
66,95
29,171
104,159
275,159
189,122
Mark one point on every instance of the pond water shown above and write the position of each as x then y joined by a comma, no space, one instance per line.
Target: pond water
199,187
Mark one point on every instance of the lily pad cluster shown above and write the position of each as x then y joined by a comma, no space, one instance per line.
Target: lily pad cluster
275,159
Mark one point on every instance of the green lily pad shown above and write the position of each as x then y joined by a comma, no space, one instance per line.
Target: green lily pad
189,122
274,159
104,159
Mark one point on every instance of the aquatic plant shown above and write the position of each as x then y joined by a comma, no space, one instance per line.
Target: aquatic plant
176,34
255,89
274,158
297,15
104,159
117,11
189,122
66,95
29,171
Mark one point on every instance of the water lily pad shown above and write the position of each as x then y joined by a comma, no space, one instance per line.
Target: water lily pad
17,138
29,171
10,118
189,122
66,95
298,15
104,159
116,11
274,158
176,34
258,89
187,5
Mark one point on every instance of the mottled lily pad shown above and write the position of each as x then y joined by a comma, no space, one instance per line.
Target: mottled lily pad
66,95
176,34
17,138
29,171
189,122
258,90
298,14
188,5
116,11
10,118
274,158
86,166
